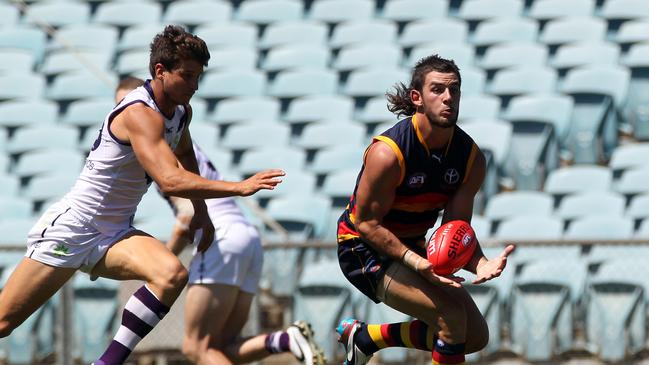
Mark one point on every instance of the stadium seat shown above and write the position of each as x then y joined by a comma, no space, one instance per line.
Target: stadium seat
90,60
232,83
594,120
410,10
321,135
329,11
244,136
85,37
418,32
57,13
643,230
367,55
204,134
312,108
235,110
514,54
628,156
359,31
574,179
602,253
138,36
24,37
461,53
511,204
299,56
270,11
633,181
376,111
600,227
27,112
529,228
130,62
585,53
38,137
153,207
554,109
334,158
126,14
218,35
523,80
46,161
14,231
544,299
271,157
4,158
373,81
233,57
52,186
87,112
573,29
13,206
635,107
616,309
16,61
618,11
295,182
493,135
194,13
544,10
300,82
9,15
76,85
303,216
474,81
339,186
591,203
294,33
21,86
477,10
632,31
501,30
221,158
481,226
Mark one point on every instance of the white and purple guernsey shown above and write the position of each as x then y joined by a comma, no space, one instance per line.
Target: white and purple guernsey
112,182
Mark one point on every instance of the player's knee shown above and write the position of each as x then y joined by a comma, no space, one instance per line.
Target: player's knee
190,350
452,321
173,275
477,336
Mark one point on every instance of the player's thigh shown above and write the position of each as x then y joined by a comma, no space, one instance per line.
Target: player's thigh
138,256
30,285
238,317
208,308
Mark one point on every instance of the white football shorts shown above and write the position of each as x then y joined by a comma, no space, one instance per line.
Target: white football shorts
234,258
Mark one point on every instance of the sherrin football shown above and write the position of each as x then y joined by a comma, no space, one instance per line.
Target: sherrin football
451,247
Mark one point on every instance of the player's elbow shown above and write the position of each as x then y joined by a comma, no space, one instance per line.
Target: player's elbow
367,229
170,186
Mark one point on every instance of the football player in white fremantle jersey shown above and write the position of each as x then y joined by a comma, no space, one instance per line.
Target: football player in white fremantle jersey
144,138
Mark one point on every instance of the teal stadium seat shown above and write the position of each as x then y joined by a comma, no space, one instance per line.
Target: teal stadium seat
579,178
460,52
63,61
9,15
544,10
553,109
294,33
323,134
4,158
479,106
24,37
50,160
14,231
334,158
13,206
87,112
263,12
632,31
366,83
501,30
234,57
138,36
494,135
633,181
418,32
515,81
16,61
72,86
303,216
10,183
304,81
478,10
474,81
593,129
573,29
367,55
616,308
328,11
637,100
406,11
481,226
153,207
364,32
514,54
198,12
28,112
376,111
21,86
618,11
638,208
591,203
643,230
50,187
217,35
312,108
298,56
585,53
125,14
244,136
296,182
339,186
600,227
85,37
38,137
601,253
235,110
57,13
131,62
221,158
511,204
628,156
204,134
232,83
271,157
529,228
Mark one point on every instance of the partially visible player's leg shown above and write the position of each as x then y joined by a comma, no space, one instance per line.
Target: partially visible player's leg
30,285
141,257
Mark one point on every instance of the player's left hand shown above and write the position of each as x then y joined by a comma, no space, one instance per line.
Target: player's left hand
489,269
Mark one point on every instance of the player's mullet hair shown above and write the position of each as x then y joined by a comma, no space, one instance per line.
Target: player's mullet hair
174,45
399,101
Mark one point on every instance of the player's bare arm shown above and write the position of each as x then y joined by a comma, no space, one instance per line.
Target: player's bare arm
375,194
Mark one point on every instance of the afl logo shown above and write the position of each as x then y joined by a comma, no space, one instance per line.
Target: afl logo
451,176
416,180
466,240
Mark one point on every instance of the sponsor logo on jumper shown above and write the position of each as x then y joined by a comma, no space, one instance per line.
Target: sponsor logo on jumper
451,176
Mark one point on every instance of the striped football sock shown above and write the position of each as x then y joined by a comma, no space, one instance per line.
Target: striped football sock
277,342
415,335
447,353
141,313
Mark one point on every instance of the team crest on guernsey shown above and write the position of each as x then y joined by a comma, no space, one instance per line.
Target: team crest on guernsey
416,180
451,176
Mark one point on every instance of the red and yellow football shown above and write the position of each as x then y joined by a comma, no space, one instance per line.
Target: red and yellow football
451,247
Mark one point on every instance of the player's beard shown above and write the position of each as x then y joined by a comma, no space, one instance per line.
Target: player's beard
441,122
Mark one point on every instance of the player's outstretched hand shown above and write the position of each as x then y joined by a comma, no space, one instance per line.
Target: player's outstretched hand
425,269
266,179
490,269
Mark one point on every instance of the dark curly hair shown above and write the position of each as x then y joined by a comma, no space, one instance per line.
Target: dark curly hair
174,45
399,101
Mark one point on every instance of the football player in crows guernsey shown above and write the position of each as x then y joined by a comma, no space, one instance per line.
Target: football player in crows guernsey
223,281
143,139
423,164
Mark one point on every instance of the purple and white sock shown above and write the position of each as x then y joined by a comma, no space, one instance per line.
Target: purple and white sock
277,342
142,312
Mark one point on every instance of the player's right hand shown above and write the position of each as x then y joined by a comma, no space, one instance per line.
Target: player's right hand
266,179
425,269
201,221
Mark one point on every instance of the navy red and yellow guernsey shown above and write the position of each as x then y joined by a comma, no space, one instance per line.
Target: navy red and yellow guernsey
428,180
